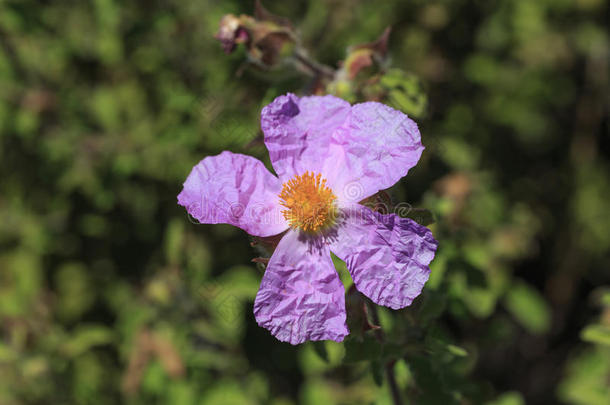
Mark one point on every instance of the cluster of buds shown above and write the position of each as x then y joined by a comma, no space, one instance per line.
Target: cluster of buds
272,41
365,75
268,38
360,71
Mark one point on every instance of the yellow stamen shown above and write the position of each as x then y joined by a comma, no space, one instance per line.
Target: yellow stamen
310,203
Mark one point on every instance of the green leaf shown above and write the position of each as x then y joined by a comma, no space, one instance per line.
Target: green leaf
405,92
358,320
431,381
359,350
180,392
457,351
529,308
599,334
85,338
226,393
377,370
434,303
7,353
76,291
586,378
508,398
605,299
320,348
174,240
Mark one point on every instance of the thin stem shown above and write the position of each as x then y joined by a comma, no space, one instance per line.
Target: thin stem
394,390
389,367
312,67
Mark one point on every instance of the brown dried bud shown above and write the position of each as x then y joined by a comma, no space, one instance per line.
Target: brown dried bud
364,55
231,32
268,38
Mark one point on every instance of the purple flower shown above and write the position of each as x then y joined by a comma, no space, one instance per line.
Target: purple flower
328,156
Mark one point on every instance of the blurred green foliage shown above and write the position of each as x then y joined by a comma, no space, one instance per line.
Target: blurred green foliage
109,294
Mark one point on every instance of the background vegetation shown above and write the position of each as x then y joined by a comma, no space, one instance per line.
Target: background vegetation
110,294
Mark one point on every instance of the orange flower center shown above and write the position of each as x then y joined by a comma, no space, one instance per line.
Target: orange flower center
310,203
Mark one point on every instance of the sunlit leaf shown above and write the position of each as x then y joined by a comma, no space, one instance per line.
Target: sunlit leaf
528,307
599,334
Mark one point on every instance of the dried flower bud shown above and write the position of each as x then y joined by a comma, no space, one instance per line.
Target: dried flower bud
268,38
365,55
231,32
353,76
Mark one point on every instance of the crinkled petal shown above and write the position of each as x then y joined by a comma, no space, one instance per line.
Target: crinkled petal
301,297
386,255
234,189
298,131
374,149
359,149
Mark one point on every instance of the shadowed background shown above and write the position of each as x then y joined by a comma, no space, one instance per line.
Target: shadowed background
109,293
